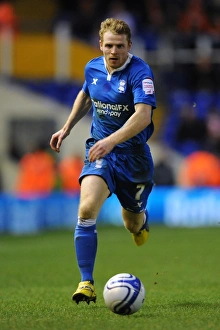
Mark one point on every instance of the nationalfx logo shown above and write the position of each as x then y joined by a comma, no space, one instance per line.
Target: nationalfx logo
148,86
114,110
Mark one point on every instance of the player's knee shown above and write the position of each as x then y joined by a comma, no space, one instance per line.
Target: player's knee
88,210
132,227
132,221
85,212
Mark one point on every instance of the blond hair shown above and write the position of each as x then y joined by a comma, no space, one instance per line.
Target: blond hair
116,26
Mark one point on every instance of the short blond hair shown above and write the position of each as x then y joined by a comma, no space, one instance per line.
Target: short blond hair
116,26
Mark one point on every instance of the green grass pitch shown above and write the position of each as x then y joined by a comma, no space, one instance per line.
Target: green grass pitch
180,269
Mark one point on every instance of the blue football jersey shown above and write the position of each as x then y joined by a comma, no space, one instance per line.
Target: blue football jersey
114,96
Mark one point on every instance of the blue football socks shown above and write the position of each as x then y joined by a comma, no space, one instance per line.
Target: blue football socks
85,240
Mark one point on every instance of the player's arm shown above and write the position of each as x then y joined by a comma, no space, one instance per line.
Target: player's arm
134,125
80,108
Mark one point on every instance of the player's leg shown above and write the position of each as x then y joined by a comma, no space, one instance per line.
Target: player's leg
133,198
94,192
134,182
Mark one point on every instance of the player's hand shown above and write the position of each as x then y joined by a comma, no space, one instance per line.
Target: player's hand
57,139
100,149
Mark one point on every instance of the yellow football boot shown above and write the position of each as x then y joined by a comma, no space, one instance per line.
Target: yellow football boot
85,292
142,236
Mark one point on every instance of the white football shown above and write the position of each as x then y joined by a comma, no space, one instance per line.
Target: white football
124,294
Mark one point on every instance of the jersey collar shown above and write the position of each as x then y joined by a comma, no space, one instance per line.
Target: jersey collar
120,68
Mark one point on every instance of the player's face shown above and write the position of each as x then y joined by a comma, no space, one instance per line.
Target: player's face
115,48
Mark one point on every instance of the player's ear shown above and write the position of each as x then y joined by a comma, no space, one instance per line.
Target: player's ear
100,45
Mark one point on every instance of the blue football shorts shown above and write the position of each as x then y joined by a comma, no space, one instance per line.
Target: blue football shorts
128,174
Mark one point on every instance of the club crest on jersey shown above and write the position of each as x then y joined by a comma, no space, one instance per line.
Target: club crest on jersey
122,86
98,163
148,86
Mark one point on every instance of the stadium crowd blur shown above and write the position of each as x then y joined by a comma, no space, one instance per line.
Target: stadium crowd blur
8,17
39,172
185,35
183,23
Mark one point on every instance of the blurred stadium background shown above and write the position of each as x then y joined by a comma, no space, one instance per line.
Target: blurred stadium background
43,49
